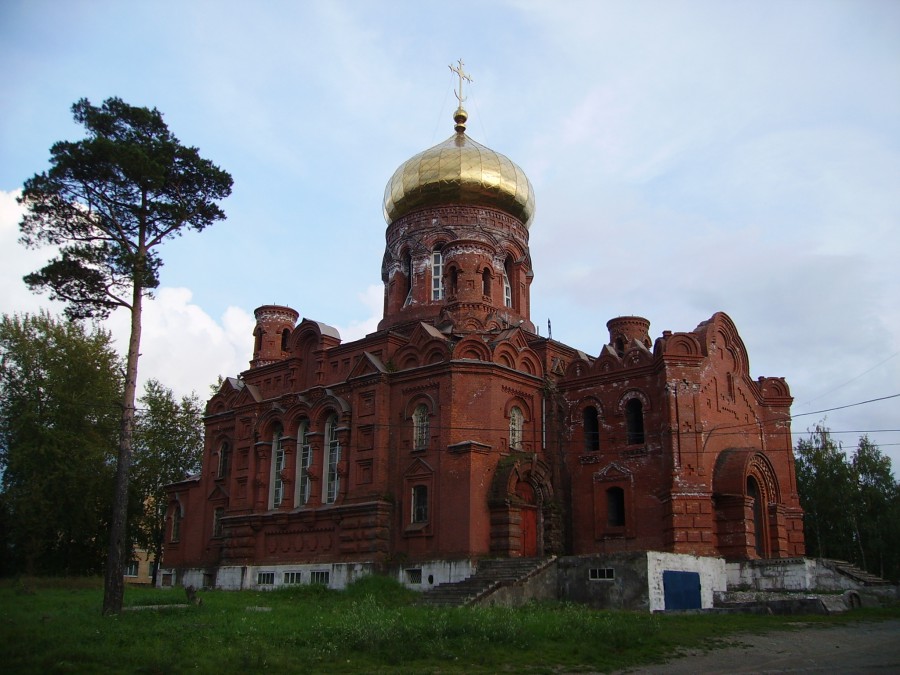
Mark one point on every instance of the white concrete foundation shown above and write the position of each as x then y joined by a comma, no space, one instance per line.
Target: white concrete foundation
419,576
712,573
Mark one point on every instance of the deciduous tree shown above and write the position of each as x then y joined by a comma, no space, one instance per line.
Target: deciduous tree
60,394
825,483
851,505
168,445
109,201
877,502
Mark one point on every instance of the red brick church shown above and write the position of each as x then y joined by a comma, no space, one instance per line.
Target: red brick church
455,432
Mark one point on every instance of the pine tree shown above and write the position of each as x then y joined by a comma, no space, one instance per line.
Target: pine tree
109,201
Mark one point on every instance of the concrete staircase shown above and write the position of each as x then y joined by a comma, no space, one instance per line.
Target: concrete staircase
853,572
830,586
490,576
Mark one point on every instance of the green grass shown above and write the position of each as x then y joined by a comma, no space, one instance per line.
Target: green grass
55,626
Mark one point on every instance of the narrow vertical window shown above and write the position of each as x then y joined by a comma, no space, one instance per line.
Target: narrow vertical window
276,482
758,527
507,286
615,507
437,275
516,421
420,427
176,522
257,341
591,430
454,280
408,271
304,460
332,457
224,460
285,339
486,283
218,514
634,421
419,504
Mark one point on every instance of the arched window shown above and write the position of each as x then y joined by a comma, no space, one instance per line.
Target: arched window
516,422
437,275
276,491
407,270
486,283
332,457
257,341
224,461
615,507
634,421
304,460
176,523
507,286
591,429
758,526
420,427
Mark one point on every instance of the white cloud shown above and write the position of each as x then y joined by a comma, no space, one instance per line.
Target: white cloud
373,301
182,346
16,261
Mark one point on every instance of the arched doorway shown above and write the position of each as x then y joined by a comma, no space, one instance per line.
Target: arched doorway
529,519
747,498
524,522
759,527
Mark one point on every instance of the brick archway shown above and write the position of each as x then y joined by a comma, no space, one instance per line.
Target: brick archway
524,521
747,498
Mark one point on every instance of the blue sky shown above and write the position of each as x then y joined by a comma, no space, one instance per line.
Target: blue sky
687,157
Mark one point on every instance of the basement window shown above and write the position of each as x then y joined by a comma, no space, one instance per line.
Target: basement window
265,578
414,576
601,574
291,578
320,577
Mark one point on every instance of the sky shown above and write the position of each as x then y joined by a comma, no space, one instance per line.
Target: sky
687,158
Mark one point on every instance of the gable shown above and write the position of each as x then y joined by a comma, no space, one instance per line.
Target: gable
367,364
612,472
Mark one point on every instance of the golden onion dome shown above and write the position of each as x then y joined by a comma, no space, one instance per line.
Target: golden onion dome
459,171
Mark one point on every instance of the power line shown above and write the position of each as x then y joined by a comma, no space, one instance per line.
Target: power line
851,380
849,405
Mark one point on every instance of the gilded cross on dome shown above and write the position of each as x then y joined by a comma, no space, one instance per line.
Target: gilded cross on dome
460,117
463,75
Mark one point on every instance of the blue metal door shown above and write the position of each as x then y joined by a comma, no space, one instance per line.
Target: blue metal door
681,589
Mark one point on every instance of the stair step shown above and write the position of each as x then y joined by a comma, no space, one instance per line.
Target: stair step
857,573
490,575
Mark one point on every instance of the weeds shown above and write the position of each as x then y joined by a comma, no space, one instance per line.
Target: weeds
373,626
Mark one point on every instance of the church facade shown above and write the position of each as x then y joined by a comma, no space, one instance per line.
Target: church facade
456,433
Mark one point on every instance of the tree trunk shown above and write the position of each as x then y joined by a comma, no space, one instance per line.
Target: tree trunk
114,582
157,555
862,552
